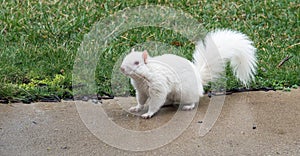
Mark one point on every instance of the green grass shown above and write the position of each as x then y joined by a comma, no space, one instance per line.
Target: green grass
39,41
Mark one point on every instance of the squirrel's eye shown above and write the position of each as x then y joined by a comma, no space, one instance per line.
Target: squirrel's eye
136,63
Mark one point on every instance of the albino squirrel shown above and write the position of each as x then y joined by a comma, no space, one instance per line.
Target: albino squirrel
168,78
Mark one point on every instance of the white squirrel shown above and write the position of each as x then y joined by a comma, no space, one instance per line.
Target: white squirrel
170,79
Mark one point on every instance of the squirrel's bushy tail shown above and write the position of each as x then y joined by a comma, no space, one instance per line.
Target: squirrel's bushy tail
223,45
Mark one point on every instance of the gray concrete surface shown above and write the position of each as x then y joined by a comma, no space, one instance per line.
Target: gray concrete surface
254,123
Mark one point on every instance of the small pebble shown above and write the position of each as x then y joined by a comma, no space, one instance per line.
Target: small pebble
209,94
65,147
85,98
95,101
34,122
295,86
254,127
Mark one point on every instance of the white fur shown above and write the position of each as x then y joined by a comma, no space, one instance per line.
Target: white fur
169,78
220,46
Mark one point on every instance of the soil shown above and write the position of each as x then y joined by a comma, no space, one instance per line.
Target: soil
250,123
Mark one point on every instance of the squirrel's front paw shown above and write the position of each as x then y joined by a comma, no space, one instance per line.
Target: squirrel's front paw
135,109
147,115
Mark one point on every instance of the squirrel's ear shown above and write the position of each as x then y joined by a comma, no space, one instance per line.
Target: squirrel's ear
145,56
132,50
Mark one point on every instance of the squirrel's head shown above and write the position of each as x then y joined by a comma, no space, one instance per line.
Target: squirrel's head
134,63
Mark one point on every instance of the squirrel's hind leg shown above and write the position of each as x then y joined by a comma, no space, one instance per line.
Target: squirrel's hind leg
155,103
189,107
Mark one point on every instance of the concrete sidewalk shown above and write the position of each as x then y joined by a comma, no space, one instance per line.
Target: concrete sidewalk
254,123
